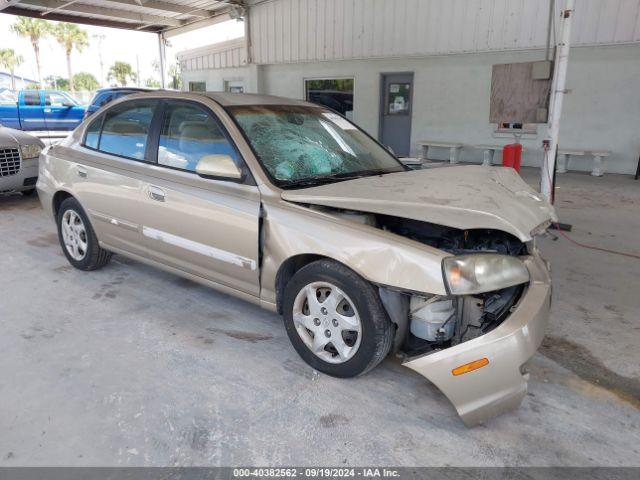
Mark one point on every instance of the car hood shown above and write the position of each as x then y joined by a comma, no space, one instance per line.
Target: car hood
10,137
464,197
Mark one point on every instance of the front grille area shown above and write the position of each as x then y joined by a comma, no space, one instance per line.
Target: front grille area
9,161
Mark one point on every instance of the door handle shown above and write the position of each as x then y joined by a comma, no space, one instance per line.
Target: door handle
47,110
156,193
82,172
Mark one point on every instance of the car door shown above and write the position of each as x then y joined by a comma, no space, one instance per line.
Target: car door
60,112
110,169
206,227
30,110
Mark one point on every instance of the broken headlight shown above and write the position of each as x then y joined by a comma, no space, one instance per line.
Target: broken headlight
484,272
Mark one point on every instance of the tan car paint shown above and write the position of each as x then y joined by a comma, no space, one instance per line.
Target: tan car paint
221,220
466,197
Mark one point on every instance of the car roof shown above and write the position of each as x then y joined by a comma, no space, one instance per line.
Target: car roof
226,99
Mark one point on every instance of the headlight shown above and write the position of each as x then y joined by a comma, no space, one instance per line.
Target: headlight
483,272
30,151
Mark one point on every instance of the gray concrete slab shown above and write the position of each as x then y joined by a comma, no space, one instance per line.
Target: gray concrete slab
132,366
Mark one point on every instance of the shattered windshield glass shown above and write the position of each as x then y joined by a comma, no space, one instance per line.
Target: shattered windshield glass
300,146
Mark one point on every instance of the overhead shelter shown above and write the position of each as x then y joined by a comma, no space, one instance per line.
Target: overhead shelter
163,17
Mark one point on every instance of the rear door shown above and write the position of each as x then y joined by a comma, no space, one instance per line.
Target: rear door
110,173
206,227
30,110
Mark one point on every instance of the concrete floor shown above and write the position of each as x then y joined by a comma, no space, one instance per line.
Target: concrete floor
132,366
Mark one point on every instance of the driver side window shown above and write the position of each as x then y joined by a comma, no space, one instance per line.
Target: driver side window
188,135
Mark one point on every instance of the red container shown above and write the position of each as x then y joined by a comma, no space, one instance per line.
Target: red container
511,156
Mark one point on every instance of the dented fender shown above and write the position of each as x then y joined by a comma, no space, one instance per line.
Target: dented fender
380,257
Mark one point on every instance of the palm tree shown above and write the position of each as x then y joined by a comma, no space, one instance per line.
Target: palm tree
70,36
121,72
9,60
35,29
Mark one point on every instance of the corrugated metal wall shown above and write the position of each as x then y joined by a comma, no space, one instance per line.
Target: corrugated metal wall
221,55
314,30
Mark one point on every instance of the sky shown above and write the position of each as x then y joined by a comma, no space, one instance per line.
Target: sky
136,48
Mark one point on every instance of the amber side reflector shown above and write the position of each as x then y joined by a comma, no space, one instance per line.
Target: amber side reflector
470,367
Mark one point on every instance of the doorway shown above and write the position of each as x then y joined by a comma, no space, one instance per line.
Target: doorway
396,99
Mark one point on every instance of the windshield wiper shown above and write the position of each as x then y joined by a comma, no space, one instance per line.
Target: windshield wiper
313,181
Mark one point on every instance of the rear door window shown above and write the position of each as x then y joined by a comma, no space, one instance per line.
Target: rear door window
32,98
125,131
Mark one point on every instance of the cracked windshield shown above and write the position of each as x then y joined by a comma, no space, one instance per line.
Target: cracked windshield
303,146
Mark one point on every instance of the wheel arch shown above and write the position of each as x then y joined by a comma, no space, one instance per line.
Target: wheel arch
59,197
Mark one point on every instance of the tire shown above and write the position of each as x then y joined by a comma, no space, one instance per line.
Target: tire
29,193
376,332
90,256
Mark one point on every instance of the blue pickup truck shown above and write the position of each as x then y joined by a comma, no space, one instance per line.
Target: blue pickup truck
40,110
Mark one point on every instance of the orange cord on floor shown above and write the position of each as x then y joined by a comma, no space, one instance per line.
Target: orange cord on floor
575,242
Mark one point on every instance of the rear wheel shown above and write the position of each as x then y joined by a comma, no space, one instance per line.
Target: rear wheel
335,320
77,238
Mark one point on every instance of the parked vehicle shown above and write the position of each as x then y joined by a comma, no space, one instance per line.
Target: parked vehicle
106,95
291,206
41,110
19,153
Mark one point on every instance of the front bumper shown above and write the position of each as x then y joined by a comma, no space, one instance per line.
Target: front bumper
16,182
500,386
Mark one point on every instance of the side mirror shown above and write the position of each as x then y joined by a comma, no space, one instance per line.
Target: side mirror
220,167
67,104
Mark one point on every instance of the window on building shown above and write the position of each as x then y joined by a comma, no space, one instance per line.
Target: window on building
335,93
197,86
125,131
189,134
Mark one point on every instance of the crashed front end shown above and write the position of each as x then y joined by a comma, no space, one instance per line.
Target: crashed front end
483,375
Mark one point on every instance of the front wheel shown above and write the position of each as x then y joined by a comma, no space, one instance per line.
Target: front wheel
77,238
335,320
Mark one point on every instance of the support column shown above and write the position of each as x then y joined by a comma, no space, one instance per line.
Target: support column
558,90
163,60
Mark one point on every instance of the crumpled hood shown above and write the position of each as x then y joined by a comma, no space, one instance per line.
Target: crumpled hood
464,197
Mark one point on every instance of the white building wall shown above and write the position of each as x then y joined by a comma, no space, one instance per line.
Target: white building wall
285,31
452,93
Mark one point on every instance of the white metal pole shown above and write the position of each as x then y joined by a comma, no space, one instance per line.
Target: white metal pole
161,47
558,90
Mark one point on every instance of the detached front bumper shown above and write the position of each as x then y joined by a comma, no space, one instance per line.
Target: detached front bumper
499,386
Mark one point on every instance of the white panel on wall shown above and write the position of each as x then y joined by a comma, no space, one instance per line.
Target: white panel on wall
315,30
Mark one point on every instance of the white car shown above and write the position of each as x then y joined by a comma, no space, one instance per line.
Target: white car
19,154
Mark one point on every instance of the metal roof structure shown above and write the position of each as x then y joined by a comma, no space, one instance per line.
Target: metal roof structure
157,16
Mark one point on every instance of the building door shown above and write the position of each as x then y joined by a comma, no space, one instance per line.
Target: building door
395,112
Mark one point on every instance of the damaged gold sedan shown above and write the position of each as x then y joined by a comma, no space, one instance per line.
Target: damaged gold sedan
293,207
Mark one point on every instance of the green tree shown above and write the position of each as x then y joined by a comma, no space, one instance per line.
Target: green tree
56,83
35,30
9,60
152,83
85,81
176,76
121,73
70,36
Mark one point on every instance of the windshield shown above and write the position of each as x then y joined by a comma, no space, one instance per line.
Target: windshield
304,146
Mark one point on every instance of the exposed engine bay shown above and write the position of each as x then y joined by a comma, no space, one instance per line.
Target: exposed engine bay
431,323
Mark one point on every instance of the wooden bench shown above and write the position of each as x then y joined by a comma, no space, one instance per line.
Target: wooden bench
454,149
565,154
